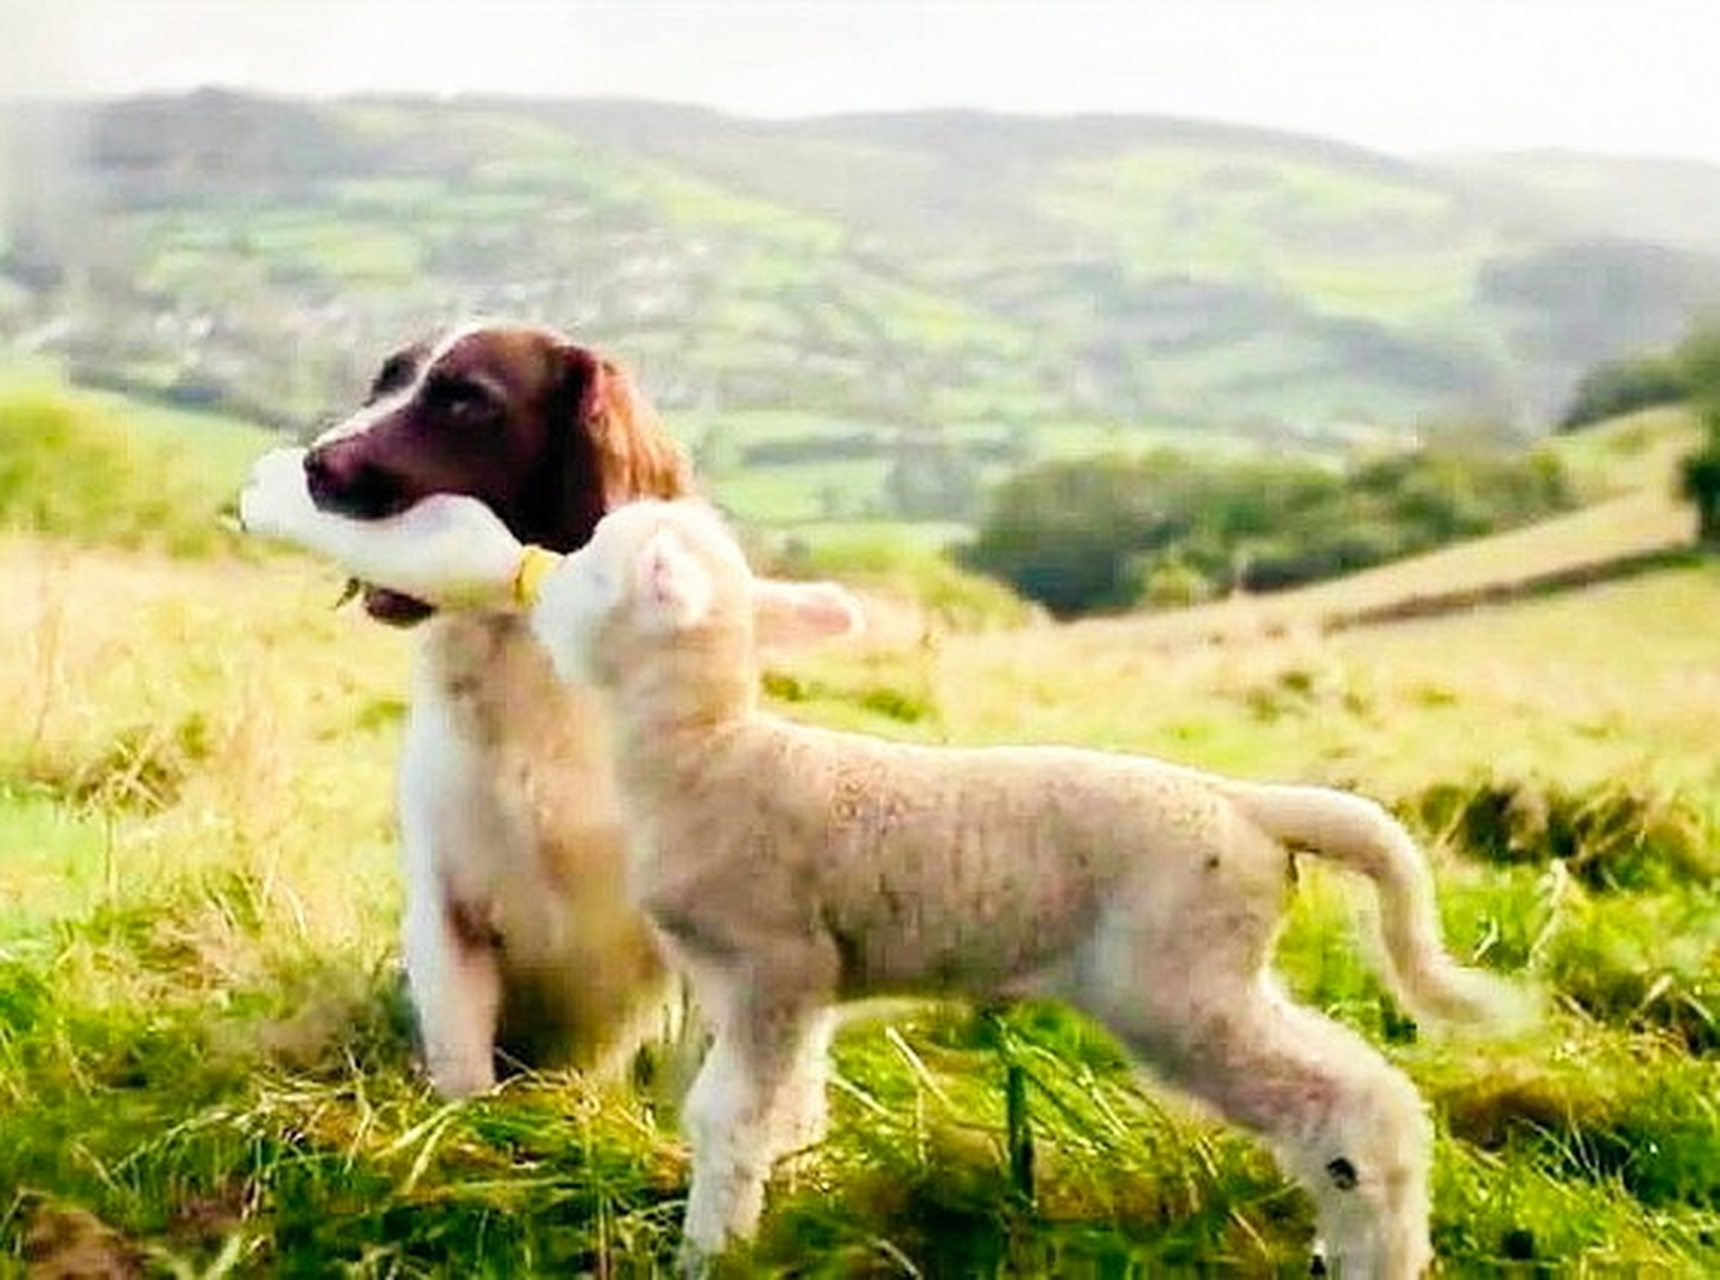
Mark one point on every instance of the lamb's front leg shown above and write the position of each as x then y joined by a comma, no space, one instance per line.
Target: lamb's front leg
804,1114
748,1107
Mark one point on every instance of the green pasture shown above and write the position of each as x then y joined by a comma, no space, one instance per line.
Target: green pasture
205,1062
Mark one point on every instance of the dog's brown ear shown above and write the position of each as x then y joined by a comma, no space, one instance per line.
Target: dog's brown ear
607,448
634,455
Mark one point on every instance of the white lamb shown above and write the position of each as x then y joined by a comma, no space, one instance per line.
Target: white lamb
789,868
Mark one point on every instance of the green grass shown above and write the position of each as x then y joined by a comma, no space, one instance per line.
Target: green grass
1632,454
1260,217
100,469
794,492
205,1063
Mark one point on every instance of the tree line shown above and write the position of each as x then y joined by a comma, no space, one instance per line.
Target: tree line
1687,374
1081,536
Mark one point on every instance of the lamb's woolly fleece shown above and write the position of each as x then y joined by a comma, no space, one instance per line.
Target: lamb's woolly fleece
789,867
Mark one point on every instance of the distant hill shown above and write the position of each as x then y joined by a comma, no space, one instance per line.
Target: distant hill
1651,198
1015,285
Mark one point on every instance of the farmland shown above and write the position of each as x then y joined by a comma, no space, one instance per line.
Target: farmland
205,1066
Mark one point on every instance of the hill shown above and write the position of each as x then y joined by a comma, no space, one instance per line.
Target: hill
1645,198
1010,287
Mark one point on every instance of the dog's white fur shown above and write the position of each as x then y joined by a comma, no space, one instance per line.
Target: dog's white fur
515,910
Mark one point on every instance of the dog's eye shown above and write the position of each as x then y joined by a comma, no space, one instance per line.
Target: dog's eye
396,372
461,398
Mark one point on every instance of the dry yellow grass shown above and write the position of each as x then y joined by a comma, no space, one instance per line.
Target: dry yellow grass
205,713
1612,681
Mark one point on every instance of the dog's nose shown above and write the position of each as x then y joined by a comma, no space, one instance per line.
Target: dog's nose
340,479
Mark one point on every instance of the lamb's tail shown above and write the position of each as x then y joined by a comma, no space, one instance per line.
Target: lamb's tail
1357,833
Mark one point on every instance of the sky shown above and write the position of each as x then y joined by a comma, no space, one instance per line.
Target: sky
1406,76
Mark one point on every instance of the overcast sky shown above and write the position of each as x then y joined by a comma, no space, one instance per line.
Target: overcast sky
1410,76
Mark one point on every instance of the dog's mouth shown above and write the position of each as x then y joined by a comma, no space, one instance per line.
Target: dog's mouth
369,499
393,607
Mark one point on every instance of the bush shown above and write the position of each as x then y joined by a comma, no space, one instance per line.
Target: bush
1088,535
1619,387
1617,836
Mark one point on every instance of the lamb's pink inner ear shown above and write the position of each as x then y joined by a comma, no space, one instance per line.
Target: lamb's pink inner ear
790,613
673,581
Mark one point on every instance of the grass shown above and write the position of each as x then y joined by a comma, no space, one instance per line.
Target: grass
74,468
205,1062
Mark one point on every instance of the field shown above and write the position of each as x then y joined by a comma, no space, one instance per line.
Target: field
205,1066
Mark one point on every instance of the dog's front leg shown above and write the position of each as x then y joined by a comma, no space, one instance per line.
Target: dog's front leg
449,826
456,985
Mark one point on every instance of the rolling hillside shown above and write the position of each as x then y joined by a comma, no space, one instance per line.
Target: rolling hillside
1011,286
1648,198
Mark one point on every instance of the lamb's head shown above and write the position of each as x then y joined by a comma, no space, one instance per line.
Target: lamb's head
666,583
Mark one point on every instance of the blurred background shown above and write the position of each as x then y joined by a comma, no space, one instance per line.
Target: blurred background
873,259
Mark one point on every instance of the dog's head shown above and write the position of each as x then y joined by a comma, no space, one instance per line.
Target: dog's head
548,434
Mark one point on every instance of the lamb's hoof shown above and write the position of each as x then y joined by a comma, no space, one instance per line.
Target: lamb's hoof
1317,1263
693,1263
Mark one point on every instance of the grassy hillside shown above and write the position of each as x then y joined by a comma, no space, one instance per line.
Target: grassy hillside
103,469
954,272
204,1061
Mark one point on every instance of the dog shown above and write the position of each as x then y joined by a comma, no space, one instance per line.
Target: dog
518,943
787,869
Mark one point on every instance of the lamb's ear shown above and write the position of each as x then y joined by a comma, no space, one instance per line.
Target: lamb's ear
673,586
791,613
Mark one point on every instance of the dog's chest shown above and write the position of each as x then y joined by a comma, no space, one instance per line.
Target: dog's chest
534,783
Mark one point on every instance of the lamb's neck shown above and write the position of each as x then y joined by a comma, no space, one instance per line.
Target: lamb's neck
665,721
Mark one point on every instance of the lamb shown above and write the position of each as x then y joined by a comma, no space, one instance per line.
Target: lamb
787,869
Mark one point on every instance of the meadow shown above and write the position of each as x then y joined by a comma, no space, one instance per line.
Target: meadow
205,1059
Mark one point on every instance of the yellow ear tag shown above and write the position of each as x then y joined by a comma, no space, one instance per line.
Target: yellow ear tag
528,578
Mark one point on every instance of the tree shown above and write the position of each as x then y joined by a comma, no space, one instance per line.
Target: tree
1699,484
1064,533
1106,533
931,481
1699,476
1624,386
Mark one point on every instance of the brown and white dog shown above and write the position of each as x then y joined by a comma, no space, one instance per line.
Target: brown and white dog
516,933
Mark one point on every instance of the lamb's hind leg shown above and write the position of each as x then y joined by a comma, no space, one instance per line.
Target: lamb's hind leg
1342,1120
